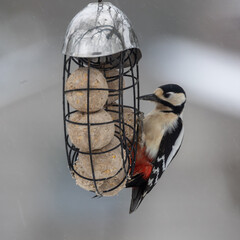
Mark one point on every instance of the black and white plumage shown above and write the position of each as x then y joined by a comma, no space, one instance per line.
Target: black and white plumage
162,137
169,146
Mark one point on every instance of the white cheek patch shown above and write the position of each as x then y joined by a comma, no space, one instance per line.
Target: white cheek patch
178,99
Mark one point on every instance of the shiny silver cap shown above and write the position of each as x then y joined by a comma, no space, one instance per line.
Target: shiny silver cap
99,30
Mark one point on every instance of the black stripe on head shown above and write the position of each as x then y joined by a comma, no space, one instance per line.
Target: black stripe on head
172,88
175,109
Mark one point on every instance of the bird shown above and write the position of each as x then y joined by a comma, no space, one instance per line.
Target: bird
161,137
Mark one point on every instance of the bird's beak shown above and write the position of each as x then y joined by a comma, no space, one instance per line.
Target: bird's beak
149,97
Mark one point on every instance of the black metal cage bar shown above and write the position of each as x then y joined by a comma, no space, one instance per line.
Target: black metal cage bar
127,65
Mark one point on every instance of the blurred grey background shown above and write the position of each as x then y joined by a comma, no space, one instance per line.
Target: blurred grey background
193,43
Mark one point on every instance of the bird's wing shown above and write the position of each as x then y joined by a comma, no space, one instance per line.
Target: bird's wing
168,149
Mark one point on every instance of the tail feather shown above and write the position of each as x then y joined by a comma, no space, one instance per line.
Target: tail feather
137,197
135,181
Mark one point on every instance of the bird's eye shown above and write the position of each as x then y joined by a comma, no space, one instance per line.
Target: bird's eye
167,95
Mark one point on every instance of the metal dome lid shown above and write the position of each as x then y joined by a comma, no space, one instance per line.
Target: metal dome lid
99,30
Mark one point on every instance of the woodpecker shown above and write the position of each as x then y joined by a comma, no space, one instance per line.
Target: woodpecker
162,135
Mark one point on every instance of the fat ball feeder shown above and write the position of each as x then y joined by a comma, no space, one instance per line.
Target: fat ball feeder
101,55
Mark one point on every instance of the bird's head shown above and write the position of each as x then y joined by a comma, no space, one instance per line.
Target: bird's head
168,98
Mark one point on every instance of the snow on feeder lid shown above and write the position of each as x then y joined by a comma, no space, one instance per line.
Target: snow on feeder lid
99,30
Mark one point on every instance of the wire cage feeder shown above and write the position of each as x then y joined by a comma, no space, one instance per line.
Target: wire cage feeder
101,47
